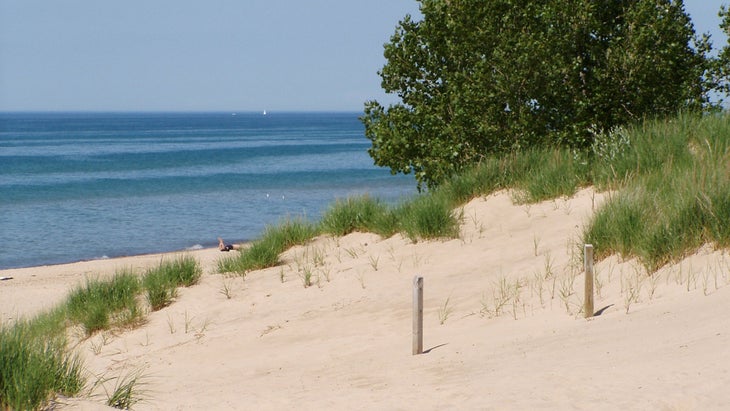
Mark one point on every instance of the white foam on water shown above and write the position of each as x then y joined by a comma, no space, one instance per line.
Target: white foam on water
195,247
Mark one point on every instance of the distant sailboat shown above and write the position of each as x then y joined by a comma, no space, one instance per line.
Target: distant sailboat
264,112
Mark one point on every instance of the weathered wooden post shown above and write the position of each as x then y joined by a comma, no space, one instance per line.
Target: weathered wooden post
588,301
417,315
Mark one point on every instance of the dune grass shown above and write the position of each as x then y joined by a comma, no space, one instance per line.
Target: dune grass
353,214
673,182
265,251
428,217
35,367
669,181
161,282
127,391
37,363
99,305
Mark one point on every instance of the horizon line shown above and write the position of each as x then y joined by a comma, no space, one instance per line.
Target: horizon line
267,111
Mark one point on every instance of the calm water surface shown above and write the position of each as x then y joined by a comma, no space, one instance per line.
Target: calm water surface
77,186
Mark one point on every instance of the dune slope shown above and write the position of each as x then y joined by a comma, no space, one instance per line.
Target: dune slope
503,326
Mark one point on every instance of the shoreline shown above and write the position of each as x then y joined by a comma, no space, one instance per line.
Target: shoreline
196,247
34,289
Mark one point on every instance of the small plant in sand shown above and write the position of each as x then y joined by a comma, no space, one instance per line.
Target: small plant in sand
188,322
306,275
502,293
537,285
374,262
352,252
691,278
653,284
326,273
98,345
566,290
391,252
705,282
598,283
361,279
127,390
318,256
633,291
170,324
567,207
227,288
444,311
548,266
200,332
146,342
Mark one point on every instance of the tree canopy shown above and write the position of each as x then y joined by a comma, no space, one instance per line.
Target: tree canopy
480,77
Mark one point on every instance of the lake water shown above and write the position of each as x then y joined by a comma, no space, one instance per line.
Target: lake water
77,186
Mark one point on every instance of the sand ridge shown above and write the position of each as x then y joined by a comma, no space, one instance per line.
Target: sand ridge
503,327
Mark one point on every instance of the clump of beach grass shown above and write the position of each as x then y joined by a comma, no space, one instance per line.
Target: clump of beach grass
429,217
264,252
161,282
35,367
127,391
37,363
675,195
362,213
99,304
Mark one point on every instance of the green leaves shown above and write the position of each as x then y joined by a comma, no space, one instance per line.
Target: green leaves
482,77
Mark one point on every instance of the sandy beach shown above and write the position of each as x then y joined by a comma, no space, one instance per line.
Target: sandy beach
503,326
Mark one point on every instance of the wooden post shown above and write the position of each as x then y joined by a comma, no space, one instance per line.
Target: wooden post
588,301
417,315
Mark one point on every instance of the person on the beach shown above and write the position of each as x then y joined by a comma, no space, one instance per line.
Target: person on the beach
227,247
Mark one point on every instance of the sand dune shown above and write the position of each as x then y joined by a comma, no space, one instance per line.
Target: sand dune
503,327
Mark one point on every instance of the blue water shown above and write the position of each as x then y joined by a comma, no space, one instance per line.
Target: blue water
78,186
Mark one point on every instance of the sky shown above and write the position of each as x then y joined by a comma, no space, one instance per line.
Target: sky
219,55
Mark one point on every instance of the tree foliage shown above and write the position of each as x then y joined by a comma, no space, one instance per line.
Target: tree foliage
719,74
478,77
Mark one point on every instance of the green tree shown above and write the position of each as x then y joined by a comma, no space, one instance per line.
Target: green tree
720,72
478,77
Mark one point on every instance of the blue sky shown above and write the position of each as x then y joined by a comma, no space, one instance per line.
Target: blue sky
229,55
